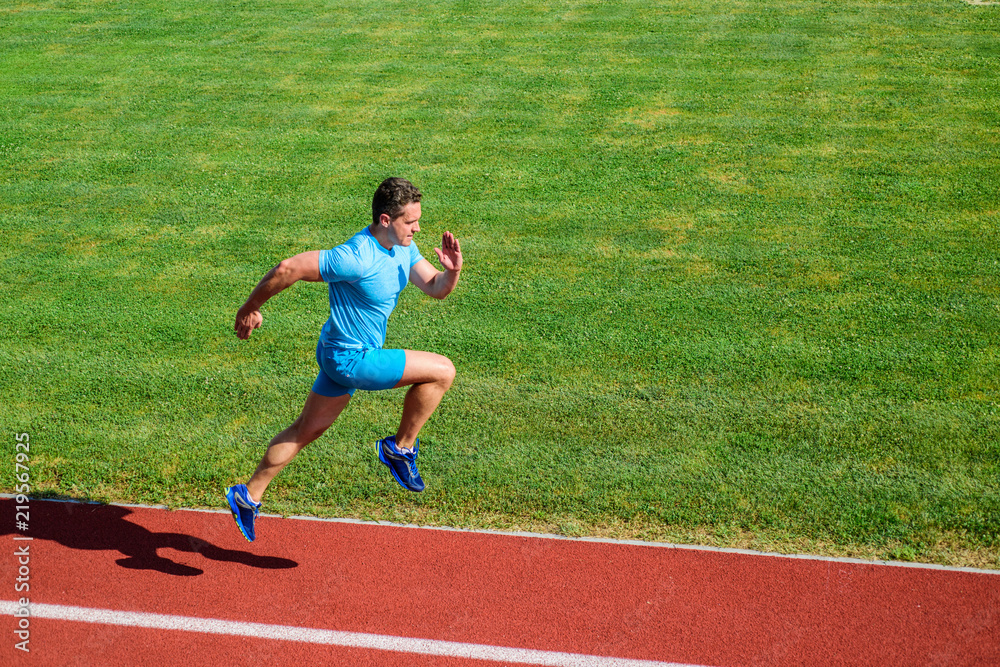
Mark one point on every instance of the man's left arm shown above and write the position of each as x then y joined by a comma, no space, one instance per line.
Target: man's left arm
432,282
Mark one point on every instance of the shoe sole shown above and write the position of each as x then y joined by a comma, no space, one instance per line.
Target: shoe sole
378,453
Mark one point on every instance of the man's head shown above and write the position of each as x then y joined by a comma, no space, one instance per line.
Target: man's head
392,196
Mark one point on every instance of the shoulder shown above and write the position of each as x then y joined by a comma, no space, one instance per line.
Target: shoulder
361,245
364,244
415,255
346,261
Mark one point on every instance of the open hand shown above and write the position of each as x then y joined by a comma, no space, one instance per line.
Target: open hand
450,253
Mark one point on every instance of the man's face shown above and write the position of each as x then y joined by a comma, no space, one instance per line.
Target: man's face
405,225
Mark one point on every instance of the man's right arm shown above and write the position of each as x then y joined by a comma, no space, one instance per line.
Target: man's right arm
304,266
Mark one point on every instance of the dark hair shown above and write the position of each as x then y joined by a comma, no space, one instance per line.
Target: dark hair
391,196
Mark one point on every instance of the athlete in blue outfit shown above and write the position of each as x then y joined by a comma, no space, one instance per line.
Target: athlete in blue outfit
365,277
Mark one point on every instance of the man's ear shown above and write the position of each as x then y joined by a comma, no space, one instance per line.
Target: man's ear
384,219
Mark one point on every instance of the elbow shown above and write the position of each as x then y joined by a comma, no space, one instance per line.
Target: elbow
286,271
443,285
441,293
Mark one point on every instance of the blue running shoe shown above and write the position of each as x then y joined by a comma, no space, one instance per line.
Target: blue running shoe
244,509
403,466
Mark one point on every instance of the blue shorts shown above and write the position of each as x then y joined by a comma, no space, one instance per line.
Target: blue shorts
342,371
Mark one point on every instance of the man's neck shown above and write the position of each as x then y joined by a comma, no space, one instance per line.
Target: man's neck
381,235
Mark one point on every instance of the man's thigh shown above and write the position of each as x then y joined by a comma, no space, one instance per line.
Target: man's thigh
426,367
319,411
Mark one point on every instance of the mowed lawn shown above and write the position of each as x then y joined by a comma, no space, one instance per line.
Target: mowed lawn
732,268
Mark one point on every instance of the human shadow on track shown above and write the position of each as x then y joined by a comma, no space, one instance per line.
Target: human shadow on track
105,528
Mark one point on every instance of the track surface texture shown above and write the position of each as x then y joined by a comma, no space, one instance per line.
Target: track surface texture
112,585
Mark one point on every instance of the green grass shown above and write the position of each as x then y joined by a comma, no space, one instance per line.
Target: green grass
731,278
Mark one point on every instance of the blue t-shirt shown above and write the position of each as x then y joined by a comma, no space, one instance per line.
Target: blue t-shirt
365,282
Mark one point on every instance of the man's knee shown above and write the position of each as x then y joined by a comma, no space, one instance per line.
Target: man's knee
446,372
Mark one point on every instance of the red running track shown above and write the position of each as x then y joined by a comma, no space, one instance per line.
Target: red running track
622,600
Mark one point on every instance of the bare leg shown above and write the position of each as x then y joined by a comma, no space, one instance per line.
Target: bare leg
317,415
431,376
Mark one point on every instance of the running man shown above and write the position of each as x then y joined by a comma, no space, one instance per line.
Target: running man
365,276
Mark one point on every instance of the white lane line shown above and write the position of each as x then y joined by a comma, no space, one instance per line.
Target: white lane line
545,536
327,637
